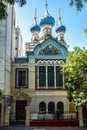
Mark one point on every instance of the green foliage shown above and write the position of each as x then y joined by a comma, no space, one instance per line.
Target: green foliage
79,4
20,2
75,71
85,30
3,13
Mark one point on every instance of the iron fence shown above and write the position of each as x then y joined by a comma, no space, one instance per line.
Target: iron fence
36,116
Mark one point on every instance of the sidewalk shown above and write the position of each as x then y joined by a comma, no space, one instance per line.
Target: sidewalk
41,128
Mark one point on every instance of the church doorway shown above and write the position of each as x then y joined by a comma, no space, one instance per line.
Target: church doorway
20,109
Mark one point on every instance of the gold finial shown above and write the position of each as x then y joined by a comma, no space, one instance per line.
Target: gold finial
46,4
59,14
35,15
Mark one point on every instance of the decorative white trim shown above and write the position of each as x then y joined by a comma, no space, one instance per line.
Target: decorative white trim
50,62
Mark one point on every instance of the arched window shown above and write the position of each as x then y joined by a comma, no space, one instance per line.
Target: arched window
60,107
42,108
51,108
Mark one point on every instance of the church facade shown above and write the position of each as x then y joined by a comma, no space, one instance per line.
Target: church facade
37,83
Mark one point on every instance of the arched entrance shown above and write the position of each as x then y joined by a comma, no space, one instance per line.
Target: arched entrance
20,101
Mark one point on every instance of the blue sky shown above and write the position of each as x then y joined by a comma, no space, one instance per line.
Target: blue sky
74,21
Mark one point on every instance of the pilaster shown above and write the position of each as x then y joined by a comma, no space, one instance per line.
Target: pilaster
7,116
80,116
27,108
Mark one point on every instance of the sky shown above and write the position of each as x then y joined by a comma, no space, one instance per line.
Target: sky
74,21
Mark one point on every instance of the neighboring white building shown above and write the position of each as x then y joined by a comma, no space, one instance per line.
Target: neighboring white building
10,40
18,43
7,44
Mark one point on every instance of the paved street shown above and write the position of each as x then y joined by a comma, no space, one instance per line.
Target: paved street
41,128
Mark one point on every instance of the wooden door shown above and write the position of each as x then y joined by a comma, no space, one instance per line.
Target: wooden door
20,110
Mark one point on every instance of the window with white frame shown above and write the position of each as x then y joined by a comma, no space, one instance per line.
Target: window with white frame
59,77
21,78
42,76
49,77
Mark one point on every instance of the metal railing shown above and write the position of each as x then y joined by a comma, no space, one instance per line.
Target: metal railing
36,116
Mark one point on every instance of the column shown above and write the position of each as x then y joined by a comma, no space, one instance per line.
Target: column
54,76
13,110
80,115
27,108
46,78
37,77
7,116
63,78
47,108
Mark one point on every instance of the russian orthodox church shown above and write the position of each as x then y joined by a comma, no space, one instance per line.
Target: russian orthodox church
37,84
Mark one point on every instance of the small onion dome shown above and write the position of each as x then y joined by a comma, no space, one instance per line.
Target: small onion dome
61,28
35,27
47,19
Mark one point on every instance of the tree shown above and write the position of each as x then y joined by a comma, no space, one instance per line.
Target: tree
75,71
85,30
3,14
79,4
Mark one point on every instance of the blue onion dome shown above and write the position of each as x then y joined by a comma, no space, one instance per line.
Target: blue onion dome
47,18
61,28
35,26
